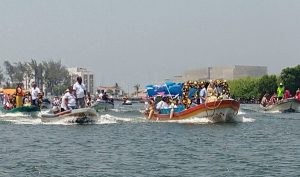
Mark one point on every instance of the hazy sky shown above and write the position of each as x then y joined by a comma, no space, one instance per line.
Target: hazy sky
144,41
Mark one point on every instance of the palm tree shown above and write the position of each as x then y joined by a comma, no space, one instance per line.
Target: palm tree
1,76
34,69
10,70
137,88
117,89
19,71
28,75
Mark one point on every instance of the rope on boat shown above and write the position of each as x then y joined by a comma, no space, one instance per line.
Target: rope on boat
214,108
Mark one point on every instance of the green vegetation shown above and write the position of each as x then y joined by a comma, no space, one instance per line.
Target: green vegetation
254,88
51,74
291,78
245,88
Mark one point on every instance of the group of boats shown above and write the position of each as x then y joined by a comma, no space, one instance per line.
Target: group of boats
185,95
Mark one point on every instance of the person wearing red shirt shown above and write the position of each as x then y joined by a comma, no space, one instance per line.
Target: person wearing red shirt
297,96
287,94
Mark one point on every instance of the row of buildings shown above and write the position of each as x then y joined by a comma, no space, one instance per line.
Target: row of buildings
227,73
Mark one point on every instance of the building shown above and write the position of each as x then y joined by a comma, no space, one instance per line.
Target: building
227,73
87,77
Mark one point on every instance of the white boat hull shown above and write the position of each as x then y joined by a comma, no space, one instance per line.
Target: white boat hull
288,105
84,115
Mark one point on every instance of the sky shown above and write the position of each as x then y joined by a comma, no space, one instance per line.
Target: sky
144,41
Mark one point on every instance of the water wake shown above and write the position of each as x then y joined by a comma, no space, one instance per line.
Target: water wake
244,119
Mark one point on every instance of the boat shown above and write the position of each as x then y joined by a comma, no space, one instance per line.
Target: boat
218,106
81,116
127,102
286,105
102,105
217,111
22,109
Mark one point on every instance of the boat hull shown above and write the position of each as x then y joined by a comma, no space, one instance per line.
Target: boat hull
217,111
84,115
102,106
288,105
23,110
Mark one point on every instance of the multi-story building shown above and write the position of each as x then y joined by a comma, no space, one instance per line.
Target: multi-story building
227,73
87,77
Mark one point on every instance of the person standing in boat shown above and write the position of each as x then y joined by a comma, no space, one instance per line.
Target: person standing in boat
34,94
202,94
80,93
280,91
19,96
211,93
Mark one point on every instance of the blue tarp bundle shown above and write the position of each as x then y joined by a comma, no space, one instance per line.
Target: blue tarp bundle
167,88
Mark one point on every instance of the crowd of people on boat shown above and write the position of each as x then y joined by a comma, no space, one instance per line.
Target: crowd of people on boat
32,97
76,97
205,92
281,94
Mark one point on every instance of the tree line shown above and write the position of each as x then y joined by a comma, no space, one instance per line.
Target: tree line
248,89
49,74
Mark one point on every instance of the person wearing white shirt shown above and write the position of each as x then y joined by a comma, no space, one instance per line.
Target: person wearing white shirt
34,94
202,94
68,100
80,93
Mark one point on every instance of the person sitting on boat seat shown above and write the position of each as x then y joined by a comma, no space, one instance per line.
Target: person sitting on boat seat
297,95
211,93
56,105
105,96
264,100
7,102
27,102
101,94
273,99
55,110
287,93
68,100
88,100
162,104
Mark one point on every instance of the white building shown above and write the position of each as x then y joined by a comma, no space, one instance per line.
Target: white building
87,77
228,73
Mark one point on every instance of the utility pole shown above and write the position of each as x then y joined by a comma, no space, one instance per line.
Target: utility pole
208,74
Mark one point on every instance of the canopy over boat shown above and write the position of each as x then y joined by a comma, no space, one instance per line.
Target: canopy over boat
168,88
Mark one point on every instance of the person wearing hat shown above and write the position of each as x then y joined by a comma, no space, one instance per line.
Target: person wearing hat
280,91
68,100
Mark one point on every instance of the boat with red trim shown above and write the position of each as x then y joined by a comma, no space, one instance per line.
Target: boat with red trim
216,111
200,99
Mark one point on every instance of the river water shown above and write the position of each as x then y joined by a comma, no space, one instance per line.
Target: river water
123,143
